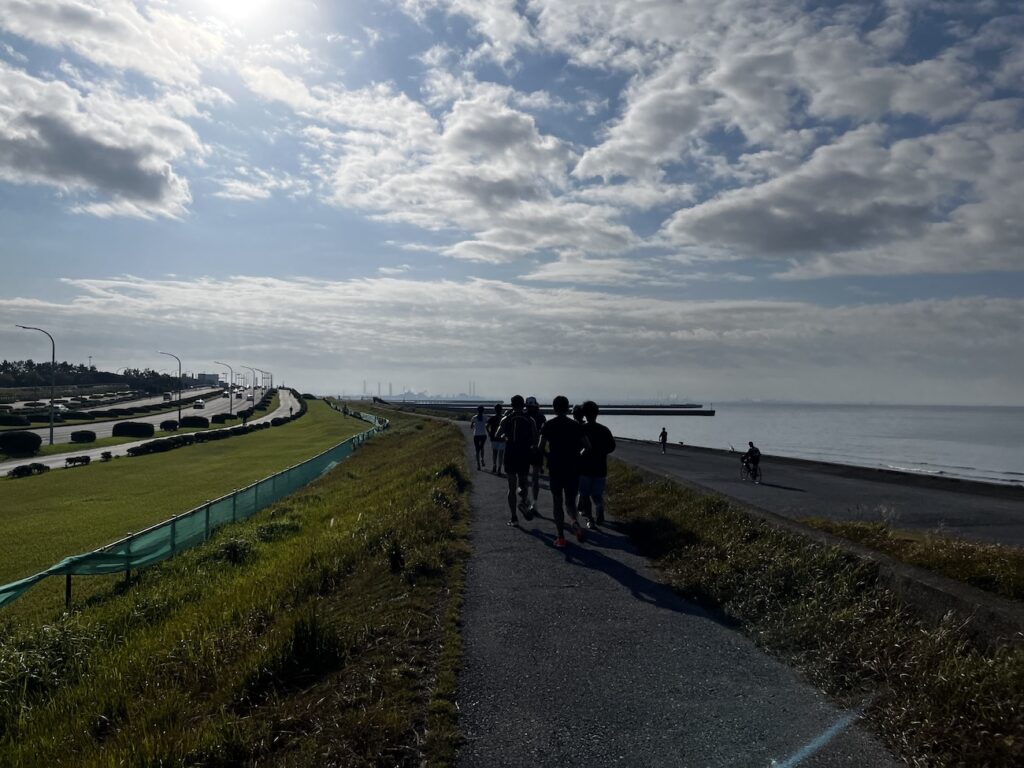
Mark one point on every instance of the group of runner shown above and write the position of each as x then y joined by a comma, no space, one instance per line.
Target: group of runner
576,449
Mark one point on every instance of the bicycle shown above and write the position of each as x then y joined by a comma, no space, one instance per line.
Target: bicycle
750,472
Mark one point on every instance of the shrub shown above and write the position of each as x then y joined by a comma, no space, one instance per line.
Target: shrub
133,429
83,436
20,443
170,425
106,456
22,470
307,396
277,421
195,421
37,468
221,418
13,420
44,418
79,415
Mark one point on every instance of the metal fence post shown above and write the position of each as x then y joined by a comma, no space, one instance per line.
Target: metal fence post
67,592
128,558
234,505
206,522
256,498
174,534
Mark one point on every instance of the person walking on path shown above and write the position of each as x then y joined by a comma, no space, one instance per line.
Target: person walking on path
536,458
564,439
497,445
478,425
577,414
594,465
663,439
519,432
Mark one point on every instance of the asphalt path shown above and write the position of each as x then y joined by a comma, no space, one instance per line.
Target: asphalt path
582,658
286,401
798,489
215,404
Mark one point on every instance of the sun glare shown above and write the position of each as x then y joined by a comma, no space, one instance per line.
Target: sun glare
238,10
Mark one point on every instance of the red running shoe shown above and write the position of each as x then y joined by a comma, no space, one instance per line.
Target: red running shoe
560,542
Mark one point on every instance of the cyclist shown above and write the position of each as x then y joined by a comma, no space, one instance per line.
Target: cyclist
751,459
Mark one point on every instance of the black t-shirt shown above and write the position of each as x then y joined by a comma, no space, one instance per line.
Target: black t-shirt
594,462
519,433
492,425
564,441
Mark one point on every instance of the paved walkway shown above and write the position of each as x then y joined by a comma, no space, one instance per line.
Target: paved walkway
795,489
582,658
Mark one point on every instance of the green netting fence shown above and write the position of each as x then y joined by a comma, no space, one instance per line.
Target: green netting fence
166,539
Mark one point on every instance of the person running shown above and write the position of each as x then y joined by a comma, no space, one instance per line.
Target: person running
519,432
497,444
478,426
663,438
537,459
577,414
564,439
594,465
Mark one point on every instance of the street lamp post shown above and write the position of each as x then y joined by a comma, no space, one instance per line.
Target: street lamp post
231,385
179,380
253,384
53,371
263,379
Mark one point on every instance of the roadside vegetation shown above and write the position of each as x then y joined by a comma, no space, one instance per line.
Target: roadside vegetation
935,697
65,512
322,631
991,567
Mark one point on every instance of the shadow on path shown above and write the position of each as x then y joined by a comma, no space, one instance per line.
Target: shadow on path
640,587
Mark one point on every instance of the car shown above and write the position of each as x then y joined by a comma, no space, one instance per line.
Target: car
225,394
198,405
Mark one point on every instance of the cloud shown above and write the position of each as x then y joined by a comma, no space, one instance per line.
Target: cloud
99,143
257,184
160,45
387,322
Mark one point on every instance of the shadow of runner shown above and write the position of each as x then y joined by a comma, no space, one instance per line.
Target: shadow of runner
640,587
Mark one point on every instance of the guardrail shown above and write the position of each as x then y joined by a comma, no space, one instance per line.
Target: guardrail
165,539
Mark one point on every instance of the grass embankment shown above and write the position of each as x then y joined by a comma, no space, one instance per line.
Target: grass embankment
936,699
322,631
991,567
60,513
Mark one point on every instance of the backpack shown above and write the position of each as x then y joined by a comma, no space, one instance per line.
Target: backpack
519,431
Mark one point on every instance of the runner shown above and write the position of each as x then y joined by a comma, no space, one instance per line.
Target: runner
537,458
594,465
497,444
478,425
565,439
577,413
520,435
663,438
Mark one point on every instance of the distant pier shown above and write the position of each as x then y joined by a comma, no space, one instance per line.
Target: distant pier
614,409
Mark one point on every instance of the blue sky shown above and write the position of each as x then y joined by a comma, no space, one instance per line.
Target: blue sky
733,199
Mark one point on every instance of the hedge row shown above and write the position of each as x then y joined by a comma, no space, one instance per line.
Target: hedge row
13,420
179,441
83,436
26,470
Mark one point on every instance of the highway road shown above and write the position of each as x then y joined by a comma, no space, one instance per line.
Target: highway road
286,402
215,404
795,488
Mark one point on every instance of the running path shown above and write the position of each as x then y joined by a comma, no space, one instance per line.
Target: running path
582,658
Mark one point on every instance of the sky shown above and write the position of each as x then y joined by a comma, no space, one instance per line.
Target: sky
708,200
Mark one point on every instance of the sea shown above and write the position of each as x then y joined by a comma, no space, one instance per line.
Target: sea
976,443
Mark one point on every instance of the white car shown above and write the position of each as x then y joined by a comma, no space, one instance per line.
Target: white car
198,405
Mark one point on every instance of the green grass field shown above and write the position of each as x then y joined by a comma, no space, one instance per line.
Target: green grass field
322,631
65,512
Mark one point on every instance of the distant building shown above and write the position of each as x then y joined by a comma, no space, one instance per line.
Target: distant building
208,379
